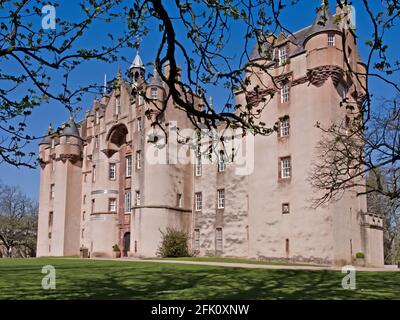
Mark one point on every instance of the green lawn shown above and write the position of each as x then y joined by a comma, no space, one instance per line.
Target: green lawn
235,260
97,279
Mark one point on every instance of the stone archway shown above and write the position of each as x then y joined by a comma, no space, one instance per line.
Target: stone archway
116,137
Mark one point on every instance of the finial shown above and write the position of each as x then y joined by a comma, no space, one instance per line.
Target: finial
324,3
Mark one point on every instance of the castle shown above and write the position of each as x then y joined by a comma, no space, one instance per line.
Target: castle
98,188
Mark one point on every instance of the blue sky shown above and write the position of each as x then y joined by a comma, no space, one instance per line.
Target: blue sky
294,18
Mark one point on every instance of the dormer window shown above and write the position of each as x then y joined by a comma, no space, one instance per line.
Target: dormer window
154,93
282,55
331,40
117,105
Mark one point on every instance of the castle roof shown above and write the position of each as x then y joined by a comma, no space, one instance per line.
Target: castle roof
47,138
323,22
70,129
156,79
137,62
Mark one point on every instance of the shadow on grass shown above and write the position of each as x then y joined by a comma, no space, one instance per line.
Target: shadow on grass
88,279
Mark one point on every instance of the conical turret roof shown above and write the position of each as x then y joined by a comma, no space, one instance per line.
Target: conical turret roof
70,129
156,79
324,21
137,62
47,138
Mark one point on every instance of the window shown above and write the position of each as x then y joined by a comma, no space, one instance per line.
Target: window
198,166
117,105
285,168
287,247
128,166
92,206
196,239
128,201
218,242
138,159
285,208
179,200
84,177
84,199
112,205
96,142
154,93
221,198
284,127
83,215
112,171
52,191
140,101
97,116
139,124
221,161
331,40
83,233
138,198
284,92
282,55
198,201
50,220
94,174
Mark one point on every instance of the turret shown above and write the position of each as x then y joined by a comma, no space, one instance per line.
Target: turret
137,69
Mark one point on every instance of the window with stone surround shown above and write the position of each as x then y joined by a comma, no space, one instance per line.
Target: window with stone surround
198,166
128,164
138,159
282,55
92,206
285,167
179,200
285,208
117,105
198,201
218,239
128,201
94,174
154,93
285,92
139,124
221,161
196,237
52,186
331,40
112,205
138,198
284,126
221,198
112,171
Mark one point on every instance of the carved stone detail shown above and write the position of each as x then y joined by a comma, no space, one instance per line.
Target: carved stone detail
319,75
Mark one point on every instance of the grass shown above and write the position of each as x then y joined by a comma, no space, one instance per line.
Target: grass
235,260
101,279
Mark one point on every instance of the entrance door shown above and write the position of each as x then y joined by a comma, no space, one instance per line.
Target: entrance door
127,243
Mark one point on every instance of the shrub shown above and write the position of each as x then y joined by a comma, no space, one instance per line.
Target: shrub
360,255
116,248
174,243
